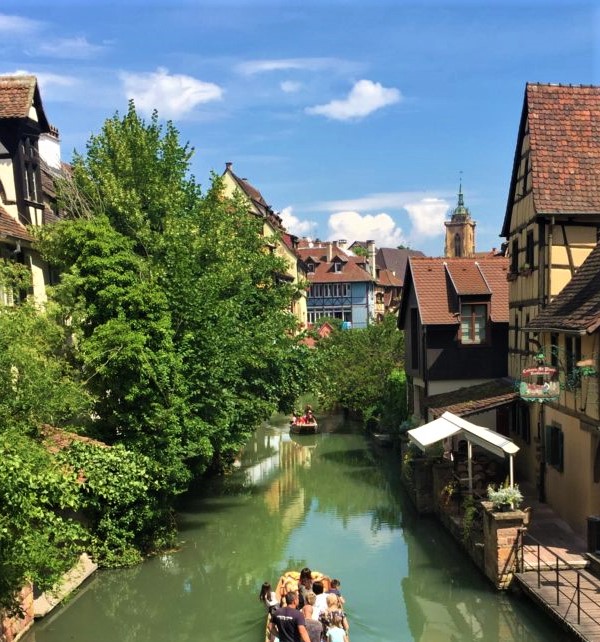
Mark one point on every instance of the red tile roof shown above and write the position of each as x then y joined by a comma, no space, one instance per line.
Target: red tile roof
17,94
564,129
387,278
395,259
12,228
437,281
353,267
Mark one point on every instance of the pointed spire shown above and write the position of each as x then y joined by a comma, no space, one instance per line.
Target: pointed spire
461,202
460,212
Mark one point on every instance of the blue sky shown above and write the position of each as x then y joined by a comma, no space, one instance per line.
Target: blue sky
354,119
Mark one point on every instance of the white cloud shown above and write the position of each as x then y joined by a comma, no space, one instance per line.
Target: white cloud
294,225
46,80
17,25
173,95
354,226
376,201
427,217
364,98
251,67
77,47
290,86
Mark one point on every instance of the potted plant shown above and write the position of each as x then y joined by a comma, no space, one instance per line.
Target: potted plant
505,498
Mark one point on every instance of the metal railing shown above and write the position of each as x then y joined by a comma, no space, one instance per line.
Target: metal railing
554,572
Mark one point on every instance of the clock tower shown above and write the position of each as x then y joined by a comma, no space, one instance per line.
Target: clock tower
460,231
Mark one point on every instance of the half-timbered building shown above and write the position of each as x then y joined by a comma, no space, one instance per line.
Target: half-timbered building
29,159
551,227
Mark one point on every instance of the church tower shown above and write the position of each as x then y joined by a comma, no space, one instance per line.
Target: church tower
460,231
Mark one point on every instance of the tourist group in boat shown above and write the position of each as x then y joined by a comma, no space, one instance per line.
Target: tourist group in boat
306,606
306,423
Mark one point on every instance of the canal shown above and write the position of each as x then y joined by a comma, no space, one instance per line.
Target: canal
332,502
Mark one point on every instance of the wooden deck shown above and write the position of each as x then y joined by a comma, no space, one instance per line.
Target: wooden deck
578,611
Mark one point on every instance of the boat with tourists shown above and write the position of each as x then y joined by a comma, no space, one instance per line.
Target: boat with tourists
305,424
304,582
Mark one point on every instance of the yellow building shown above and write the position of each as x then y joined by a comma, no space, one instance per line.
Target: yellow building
285,245
551,226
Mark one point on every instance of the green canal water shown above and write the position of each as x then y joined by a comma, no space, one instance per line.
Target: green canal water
330,501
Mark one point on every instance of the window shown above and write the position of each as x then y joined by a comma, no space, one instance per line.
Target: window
337,266
30,166
573,354
529,250
415,338
310,267
555,446
514,257
473,324
457,245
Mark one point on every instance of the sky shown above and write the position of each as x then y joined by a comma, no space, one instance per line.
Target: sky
355,119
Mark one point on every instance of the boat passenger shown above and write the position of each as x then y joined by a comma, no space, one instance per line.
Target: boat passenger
335,589
268,597
304,584
335,632
288,588
288,622
313,625
320,605
334,608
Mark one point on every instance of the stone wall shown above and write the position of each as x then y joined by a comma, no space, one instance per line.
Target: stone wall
501,536
12,628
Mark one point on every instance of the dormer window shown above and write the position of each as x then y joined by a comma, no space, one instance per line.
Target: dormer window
310,267
473,323
337,266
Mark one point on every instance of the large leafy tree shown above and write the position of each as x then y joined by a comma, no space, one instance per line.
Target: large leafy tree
182,325
357,365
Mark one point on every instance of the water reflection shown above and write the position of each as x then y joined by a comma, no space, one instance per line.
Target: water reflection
329,501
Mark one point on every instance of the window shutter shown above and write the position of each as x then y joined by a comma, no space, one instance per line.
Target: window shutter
548,444
560,438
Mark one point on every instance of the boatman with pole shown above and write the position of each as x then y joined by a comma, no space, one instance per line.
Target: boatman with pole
288,623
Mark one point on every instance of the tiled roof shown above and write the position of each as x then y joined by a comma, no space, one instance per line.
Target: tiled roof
474,399
564,129
395,259
576,308
17,94
13,228
387,278
352,266
437,280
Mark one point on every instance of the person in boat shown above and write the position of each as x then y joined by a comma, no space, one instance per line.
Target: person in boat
335,632
335,589
334,608
309,418
268,597
304,584
320,605
313,626
288,623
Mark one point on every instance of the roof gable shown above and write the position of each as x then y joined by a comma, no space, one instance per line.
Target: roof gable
438,281
17,95
564,140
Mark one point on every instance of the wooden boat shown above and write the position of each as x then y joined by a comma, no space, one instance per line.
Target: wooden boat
289,581
300,427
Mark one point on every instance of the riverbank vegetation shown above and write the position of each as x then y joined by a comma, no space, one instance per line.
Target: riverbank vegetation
167,340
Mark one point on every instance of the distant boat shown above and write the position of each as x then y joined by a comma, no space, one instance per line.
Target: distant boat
302,426
383,438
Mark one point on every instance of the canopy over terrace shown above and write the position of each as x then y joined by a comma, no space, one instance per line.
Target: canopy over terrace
449,425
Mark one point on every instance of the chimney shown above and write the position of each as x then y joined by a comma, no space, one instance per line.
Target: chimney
371,251
329,251
49,148
342,243
228,166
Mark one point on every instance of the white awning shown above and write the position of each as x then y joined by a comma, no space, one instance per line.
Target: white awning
449,424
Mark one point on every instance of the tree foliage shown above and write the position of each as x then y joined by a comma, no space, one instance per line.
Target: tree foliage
356,365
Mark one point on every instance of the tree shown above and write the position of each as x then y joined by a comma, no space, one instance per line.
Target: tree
356,365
